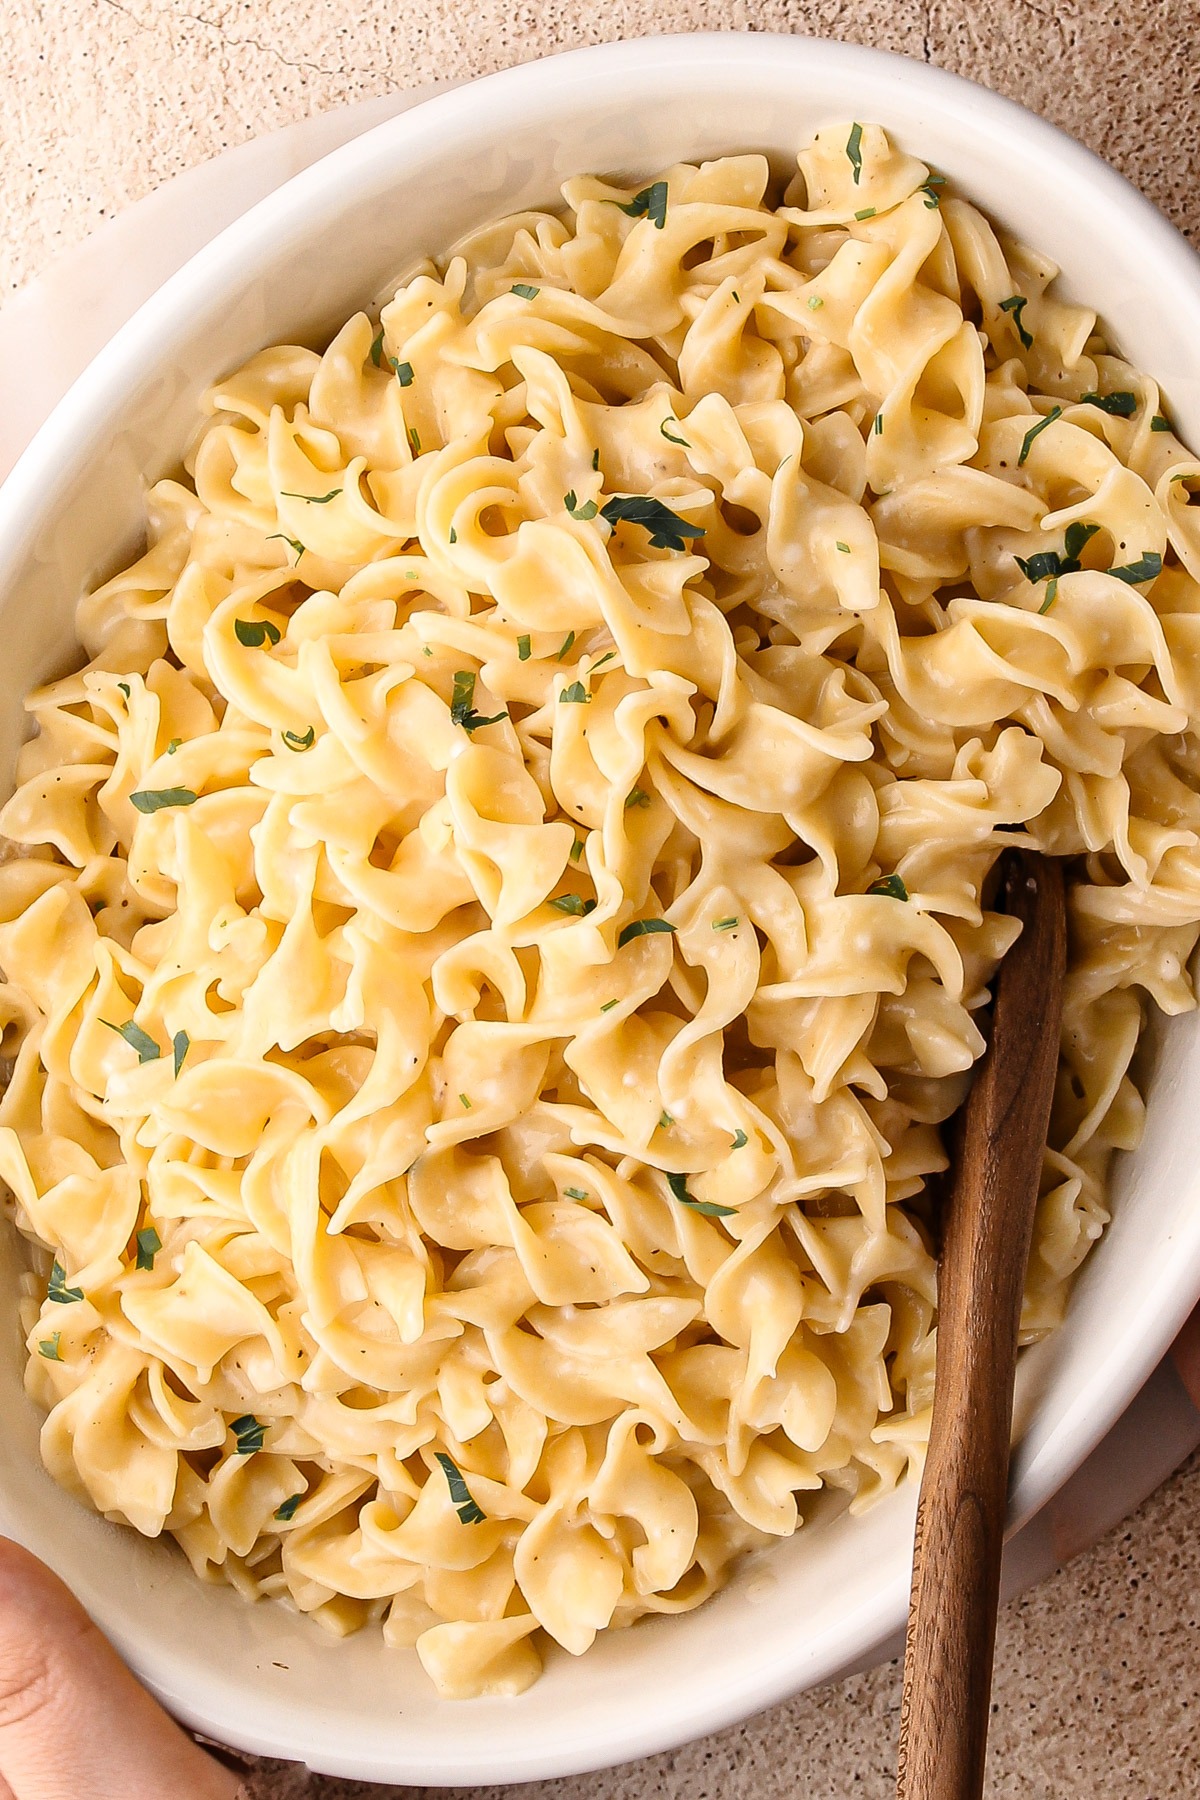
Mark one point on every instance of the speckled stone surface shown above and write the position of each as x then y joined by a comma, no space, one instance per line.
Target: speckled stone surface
1097,1687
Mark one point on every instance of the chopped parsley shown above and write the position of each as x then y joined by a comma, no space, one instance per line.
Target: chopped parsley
523,650
469,1512
404,372
740,1140
414,438
453,535
574,904
296,740
181,1043
313,499
525,291
173,746
575,695
57,1289
878,425
575,1194
462,709
1027,442
868,212
665,1121
295,543
844,548
588,510
815,303
667,530
636,797
124,687
254,633
641,928
287,1512
678,1186
1121,405
377,348
650,204
601,660
1016,304
49,1347
464,1100
152,800
565,647
596,460
1051,596
148,1246
725,924
890,886
670,435
927,188
577,850
1159,423
1147,566
137,1039
249,1433
608,1006
854,151
1045,563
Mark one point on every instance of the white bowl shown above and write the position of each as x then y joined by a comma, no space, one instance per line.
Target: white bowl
260,1677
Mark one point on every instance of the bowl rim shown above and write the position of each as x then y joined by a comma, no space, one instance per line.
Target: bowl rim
67,442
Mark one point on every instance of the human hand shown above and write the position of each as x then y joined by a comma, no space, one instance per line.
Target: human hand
74,1724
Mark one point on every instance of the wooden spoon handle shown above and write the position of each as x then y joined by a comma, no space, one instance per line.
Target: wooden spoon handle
989,1222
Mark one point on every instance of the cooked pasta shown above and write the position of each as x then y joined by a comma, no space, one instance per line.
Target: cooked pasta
494,928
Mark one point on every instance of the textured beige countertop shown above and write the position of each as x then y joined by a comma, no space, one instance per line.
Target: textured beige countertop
1098,1670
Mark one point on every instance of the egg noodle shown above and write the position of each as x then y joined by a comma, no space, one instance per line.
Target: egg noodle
494,929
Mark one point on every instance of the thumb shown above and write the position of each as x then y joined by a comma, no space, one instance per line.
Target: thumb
74,1724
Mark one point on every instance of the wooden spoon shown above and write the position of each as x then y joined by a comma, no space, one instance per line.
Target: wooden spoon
988,1225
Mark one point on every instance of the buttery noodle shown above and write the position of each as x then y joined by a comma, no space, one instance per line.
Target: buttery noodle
493,930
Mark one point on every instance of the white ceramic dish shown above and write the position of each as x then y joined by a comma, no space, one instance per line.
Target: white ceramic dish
259,1677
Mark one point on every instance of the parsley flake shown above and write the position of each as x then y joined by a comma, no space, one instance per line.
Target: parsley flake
525,291
1045,563
665,1121
313,499
588,510
57,1289
678,1186
650,204
1027,442
740,1140
254,633
844,548
890,886
868,212
575,695
1158,423
565,648
523,650
404,372
152,800
148,1246
576,850
878,425
377,348
671,437
815,303
1121,405
124,687
667,530
465,1101
49,1347
574,904
181,1043
642,928
137,1039
596,460
854,151
414,438
1147,566
636,797
296,740
462,710
601,660
453,535
469,1512
608,1006
295,543
173,746
249,1433
575,1194
287,1512
1051,597
725,924
1016,304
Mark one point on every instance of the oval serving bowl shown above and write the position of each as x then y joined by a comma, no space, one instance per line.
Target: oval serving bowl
260,1677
